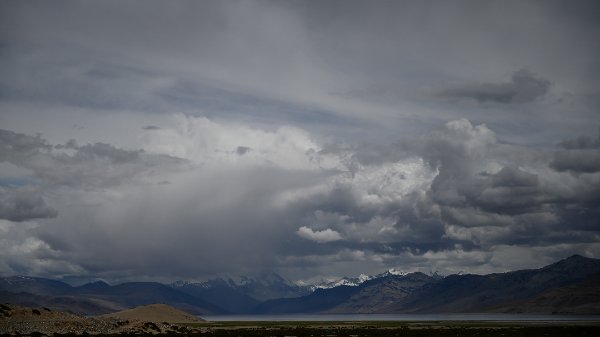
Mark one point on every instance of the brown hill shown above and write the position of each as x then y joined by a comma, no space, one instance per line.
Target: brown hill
155,313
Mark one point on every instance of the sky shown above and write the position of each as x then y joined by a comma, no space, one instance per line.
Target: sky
167,140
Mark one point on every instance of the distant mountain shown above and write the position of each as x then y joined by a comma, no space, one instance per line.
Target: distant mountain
219,291
33,285
268,285
345,281
391,272
578,298
134,294
98,297
242,293
379,294
480,293
366,297
239,295
319,301
74,304
571,285
356,281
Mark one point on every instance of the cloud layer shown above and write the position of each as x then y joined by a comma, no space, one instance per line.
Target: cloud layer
190,139
190,204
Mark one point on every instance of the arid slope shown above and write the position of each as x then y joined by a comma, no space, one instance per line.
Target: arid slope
155,313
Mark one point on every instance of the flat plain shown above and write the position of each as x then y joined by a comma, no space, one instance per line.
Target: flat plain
395,328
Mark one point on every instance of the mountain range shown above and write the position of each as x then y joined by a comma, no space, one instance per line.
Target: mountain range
245,293
571,285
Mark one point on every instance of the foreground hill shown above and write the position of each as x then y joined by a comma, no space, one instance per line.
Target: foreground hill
147,320
155,313
18,320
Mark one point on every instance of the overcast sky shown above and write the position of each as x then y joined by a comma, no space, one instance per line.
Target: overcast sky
167,140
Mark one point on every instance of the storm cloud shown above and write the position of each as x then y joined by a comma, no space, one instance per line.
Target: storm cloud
523,87
22,204
579,155
184,140
456,188
90,165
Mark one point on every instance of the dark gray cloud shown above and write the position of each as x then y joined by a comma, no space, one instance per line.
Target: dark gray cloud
221,62
23,204
581,143
485,194
524,86
242,150
579,155
91,165
20,146
581,160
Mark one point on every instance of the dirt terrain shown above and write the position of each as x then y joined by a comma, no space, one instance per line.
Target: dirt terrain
160,320
26,321
155,313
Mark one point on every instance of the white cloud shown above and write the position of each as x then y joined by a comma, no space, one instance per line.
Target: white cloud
324,236
216,143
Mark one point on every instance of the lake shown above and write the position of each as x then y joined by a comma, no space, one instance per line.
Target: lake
402,317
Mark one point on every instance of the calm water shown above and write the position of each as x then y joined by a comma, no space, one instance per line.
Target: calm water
404,317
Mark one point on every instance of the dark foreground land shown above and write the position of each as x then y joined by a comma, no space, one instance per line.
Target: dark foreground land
355,329
161,320
396,329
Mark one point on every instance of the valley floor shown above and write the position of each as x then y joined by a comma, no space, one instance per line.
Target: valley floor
369,328
362,328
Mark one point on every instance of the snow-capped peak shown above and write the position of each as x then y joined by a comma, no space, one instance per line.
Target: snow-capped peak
393,271
364,277
345,281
